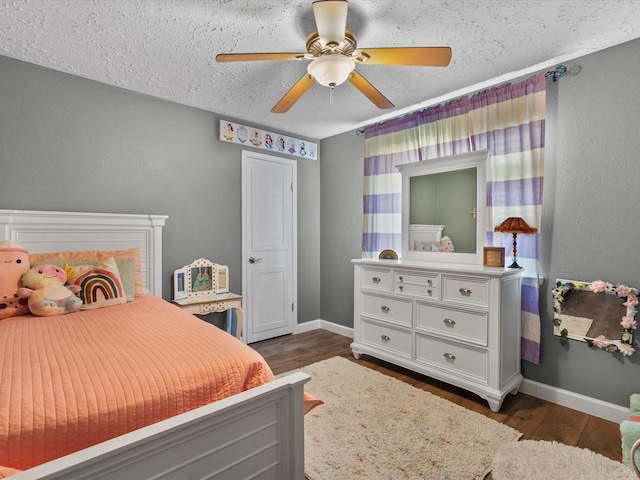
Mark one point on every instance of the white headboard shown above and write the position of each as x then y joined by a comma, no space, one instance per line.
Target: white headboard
424,233
42,231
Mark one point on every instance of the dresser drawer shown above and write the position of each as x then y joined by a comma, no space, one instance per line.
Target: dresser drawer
393,310
417,290
468,290
427,279
387,337
463,325
460,359
417,284
376,279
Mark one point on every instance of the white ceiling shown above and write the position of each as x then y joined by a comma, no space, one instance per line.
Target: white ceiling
166,48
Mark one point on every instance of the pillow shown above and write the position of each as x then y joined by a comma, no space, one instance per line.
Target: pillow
126,269
95,255
426,246
100,284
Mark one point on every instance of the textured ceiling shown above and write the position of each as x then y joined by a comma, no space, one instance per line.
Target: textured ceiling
166,48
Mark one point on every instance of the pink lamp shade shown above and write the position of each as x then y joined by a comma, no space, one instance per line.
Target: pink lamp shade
515,225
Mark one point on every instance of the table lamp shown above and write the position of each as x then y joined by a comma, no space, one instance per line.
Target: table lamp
515,225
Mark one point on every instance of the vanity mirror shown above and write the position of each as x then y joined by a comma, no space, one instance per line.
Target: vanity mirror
599,313
444,208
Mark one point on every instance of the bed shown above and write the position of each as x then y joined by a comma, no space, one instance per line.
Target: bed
140,389
425,237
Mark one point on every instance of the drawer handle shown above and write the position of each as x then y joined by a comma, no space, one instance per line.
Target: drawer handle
449,356
429,292
401,278
385,309
400,287
376,279
449,322
465,291
385,338
430,282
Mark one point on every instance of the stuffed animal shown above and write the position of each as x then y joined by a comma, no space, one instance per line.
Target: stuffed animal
14,262
446,244
44,286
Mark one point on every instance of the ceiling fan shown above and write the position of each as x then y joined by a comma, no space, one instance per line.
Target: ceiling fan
333,52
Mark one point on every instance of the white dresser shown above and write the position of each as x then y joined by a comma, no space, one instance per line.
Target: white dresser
454,322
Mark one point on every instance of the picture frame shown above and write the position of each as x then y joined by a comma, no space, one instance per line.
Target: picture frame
493,256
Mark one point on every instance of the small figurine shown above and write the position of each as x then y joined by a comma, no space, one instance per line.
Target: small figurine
446,244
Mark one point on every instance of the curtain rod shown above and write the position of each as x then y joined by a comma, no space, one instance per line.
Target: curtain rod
559,71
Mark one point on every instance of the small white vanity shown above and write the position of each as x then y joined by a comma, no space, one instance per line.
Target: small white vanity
442,314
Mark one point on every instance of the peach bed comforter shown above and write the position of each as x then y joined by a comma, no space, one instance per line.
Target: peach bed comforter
71,381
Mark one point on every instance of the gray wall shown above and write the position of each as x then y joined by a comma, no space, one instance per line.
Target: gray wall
590,216
67,143
590,225
341,188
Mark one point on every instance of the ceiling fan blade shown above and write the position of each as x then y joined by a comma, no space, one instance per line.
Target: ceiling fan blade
294,94
331,20
250,57
369,90
420,56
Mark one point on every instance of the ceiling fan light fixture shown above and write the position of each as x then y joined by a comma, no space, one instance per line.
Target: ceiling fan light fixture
331,70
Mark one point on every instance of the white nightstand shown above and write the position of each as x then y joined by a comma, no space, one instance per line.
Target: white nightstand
217,302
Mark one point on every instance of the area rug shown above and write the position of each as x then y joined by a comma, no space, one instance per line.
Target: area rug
377,427
541,460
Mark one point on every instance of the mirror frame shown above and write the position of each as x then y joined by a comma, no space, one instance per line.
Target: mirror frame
476,159
628,297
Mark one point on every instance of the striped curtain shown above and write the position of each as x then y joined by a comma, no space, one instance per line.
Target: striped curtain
508,120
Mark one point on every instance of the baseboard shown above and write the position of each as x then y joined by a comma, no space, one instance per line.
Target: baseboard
566,398
576,401
323,324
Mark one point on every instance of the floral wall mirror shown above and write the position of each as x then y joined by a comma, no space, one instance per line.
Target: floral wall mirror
599,313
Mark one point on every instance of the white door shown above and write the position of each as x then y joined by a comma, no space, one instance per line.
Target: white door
268,245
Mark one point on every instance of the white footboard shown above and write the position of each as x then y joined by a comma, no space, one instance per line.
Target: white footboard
257,434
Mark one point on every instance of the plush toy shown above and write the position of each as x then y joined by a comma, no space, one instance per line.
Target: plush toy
44,286
446,244
14,262
634,407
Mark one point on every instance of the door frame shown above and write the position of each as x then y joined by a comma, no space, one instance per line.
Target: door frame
294,233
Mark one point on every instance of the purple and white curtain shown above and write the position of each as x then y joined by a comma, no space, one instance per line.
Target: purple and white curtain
509,120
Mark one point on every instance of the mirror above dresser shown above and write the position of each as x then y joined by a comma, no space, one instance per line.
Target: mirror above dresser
437,309
444,208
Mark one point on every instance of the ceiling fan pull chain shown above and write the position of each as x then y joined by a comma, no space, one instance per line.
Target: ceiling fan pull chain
331,95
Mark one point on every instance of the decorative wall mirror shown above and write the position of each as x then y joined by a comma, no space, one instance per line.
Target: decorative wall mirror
599,313
199,280
444,208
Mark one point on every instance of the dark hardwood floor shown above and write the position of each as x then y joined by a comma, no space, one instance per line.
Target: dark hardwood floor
535,418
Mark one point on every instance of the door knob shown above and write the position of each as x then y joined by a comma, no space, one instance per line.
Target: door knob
254,260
